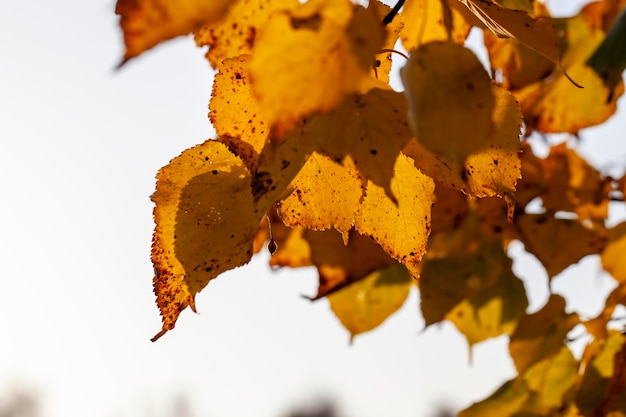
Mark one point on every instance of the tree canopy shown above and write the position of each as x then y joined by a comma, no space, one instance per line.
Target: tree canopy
319,161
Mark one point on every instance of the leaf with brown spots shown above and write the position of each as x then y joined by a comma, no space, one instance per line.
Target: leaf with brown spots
402,227
236,34
199,234
146,23
235,112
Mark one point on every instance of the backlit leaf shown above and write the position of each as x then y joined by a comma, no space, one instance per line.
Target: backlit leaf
199,234
491,166
331,42
364,305
146,23
400,227
609,60
541,335
476,290
448,90
572,184
383,60
236,34
433,20
235,112
339,263
613,253
538,392
558,243
538,34
603,385
326,195
553,104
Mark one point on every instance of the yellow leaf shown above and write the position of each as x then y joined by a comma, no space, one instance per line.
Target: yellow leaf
433,20
448,90
235,112
553,377
558,243
491,166
383,60
538,392
367,131
552,105
331,42
401,228
146,23
532,182
449,209
236,34
200,233
475,289
541,335
366,304
325,195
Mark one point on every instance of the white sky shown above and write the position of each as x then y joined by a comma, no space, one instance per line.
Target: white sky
80,147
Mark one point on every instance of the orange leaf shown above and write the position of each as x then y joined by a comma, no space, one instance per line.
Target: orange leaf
146,23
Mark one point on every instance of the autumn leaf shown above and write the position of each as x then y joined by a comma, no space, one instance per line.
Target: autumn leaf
200,234
364,305
609,60
552,105
326,195
146,23
448,90
474,289
235,112
613,254
538,34
339,263
541,335
491,166
402,227
433,20
538,392
331,42
572,184
557,242
236,33
603,385
383,61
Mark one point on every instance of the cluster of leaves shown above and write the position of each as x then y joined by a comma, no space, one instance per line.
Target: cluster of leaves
382,190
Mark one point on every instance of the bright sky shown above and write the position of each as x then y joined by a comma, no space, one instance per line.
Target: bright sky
81,144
